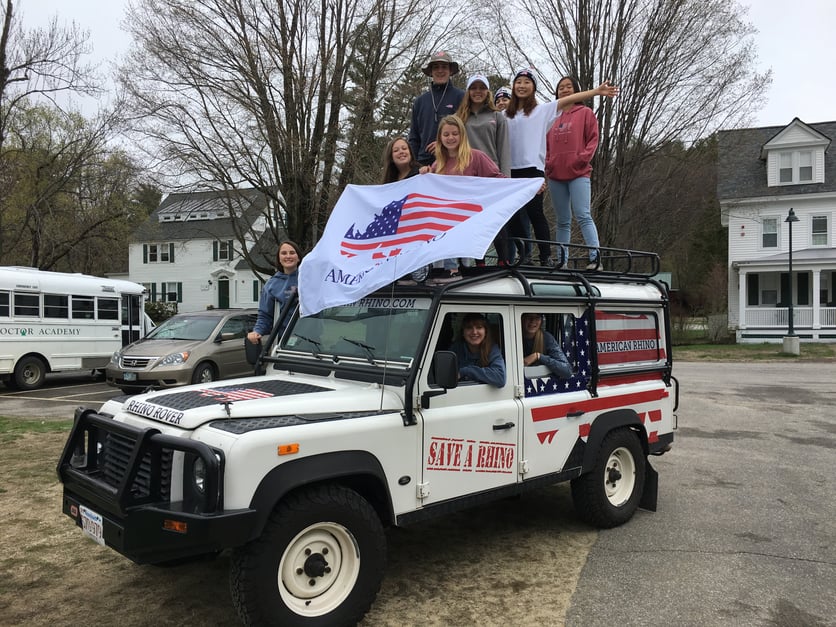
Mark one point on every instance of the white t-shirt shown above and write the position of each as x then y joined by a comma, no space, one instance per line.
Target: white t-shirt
527,135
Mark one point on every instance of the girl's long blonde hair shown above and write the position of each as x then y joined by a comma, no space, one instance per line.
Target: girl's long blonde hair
464,152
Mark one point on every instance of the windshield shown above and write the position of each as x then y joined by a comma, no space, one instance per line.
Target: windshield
193,328
372,330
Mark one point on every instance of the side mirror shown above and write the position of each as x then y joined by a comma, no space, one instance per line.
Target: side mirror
252,351
445,367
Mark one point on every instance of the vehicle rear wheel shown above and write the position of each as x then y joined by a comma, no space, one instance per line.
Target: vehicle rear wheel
204,373
319,561
609,495
30,373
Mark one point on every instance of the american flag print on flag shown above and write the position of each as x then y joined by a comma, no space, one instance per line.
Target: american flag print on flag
413,218
379,233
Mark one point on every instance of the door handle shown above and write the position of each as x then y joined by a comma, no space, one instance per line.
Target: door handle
507,425
575,414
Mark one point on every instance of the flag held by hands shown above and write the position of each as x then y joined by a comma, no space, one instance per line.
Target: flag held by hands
379,233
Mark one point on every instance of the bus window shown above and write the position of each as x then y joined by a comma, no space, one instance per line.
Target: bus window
83,308
27,305
4,304
108,309
56,306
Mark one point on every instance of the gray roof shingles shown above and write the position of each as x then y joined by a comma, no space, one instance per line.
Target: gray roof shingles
741,173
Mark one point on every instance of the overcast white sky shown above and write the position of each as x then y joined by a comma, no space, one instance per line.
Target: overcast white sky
795,40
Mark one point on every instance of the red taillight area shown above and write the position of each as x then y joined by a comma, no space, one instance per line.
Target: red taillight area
176,526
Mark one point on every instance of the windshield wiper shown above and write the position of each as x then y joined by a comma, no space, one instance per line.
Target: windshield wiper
366,347
317,345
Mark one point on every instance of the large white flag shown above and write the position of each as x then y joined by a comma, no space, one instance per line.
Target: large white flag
379,233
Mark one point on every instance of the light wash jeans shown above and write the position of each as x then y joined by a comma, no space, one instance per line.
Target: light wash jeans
569,197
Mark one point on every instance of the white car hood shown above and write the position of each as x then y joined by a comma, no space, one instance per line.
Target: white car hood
260,397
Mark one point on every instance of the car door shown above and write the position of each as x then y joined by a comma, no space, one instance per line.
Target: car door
471,432
229,351
555,414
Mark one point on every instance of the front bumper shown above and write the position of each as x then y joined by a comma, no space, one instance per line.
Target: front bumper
157,378
124,474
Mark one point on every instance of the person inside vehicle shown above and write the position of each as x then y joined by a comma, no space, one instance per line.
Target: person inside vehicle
278,290
479,357
541,348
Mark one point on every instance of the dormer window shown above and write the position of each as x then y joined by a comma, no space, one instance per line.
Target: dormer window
795,167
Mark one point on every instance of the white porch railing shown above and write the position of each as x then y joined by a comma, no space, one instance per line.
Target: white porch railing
778,317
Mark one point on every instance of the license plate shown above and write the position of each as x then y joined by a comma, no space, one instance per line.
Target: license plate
130,376
91,524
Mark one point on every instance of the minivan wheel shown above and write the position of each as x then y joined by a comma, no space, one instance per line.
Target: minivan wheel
204,373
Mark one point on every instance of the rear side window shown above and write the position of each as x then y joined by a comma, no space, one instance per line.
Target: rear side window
628,338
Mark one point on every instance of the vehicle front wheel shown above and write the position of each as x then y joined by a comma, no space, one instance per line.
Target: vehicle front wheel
609,495
204,373
30,373
319,561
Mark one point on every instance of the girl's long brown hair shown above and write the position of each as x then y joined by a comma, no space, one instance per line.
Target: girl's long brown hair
463,112
526,106
474,319
390,172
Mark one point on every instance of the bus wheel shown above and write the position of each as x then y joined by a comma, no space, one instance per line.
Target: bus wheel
30,373
204,373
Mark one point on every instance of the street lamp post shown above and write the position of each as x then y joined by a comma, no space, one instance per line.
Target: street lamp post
791,341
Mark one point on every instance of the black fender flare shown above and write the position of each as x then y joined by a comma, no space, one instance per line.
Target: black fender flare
605,423
359,470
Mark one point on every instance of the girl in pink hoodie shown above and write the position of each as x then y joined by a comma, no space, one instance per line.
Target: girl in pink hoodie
570,144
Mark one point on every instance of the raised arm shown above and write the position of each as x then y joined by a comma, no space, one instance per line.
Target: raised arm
605,90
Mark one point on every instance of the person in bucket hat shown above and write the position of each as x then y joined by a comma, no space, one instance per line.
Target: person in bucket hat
442,98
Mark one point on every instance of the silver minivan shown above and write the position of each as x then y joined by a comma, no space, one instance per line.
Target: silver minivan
187,348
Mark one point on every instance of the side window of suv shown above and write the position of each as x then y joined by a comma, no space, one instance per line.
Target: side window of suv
453,336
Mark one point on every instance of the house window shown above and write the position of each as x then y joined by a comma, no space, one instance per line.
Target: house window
795,167
158,253
256,285
171,292
769,230
222,250
819,231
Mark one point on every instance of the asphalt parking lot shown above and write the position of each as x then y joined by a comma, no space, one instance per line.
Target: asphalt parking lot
60,396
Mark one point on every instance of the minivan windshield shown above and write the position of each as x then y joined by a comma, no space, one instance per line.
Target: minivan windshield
185,327
373,329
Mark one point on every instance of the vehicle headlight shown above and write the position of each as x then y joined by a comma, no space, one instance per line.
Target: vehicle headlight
199,474
174,359
114,358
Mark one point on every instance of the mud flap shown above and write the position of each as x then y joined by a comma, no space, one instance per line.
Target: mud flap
651,488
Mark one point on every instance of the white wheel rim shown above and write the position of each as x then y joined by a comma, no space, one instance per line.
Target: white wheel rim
318,569
619,476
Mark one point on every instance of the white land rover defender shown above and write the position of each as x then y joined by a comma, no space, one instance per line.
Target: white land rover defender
361,422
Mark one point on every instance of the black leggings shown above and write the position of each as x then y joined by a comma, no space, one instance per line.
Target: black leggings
534,210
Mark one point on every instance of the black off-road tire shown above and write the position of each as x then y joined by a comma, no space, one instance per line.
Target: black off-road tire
30,373
609,494
319,562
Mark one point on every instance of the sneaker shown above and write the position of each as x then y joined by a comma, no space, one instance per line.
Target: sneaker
595,264
447,276
548,262
526,261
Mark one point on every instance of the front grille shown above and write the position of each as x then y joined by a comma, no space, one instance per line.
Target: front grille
135,362
113,464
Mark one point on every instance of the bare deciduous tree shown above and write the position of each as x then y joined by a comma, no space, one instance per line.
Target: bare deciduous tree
685,69
278,96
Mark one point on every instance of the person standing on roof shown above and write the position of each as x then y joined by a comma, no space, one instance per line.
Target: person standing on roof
528,123
442,99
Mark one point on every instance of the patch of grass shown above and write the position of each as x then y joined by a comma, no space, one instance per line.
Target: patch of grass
12,428
752,352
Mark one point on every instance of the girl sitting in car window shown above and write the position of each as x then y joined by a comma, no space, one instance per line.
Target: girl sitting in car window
479,358
541,348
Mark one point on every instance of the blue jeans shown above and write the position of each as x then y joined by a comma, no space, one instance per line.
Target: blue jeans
569,197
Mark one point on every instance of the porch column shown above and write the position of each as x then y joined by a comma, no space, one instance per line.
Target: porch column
816,299
741,299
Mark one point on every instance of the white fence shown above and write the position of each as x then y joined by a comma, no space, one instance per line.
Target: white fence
778,317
